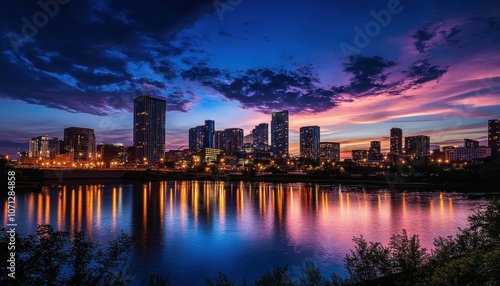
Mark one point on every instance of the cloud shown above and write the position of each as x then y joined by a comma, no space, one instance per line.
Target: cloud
82,58
422,71
267,90
423,35
368,74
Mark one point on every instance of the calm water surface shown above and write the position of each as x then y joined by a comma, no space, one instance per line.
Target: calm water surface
194,229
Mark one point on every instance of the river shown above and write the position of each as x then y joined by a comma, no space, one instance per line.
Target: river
193,229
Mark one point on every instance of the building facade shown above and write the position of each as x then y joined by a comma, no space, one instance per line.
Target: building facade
359,155
233,140
417,145
329,151
202,136
279,134
149,129
80,142
375,151
309,142
469,143
261,136
466,154
396,141
220,139
494,137
112,154
43,147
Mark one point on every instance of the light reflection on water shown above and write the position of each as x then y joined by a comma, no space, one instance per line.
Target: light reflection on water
194,229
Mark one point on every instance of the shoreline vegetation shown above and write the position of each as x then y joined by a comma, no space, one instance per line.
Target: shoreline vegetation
470,257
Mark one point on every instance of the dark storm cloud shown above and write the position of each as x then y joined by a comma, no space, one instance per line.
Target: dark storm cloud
369,74
266,89
423,35
179,100
79,60
300,91
422,71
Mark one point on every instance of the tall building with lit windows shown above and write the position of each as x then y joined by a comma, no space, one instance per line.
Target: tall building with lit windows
417,145
309,142
494,137
233,140
329,151
220,140
261,136
149,129
80,142
202,136
43,147
279,134
396,141
375,153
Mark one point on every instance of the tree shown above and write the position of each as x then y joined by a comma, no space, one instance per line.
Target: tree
52,257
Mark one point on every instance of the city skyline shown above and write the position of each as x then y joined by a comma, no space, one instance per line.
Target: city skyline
232,139
354,70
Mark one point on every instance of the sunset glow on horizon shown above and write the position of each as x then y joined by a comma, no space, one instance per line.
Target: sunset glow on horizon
430,68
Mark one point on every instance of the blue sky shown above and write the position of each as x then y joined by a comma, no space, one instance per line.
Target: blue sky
429,67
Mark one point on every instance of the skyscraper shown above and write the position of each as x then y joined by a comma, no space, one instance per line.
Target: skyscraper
329,151
279,133
208,141
196,137
396,141
375,151
43,147
80,142
261,136
494,137
220,139
309,142
202,136
417,145
149,129
233,140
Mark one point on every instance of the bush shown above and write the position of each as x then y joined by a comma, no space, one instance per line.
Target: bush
61,258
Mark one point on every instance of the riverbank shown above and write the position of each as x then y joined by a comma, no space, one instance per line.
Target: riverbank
399,184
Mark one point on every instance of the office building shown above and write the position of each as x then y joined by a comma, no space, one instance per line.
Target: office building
469,143
396,141
375,152
202,136
417,145
466,154
220,139
196,137
233,140
80,142
359,155
279,134
112,154
309,142
329,151
43,147
494,137
149,129
261,136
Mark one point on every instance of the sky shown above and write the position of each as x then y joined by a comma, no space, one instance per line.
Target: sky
355,68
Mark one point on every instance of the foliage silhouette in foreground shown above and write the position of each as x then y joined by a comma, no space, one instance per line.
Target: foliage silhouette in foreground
52,257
